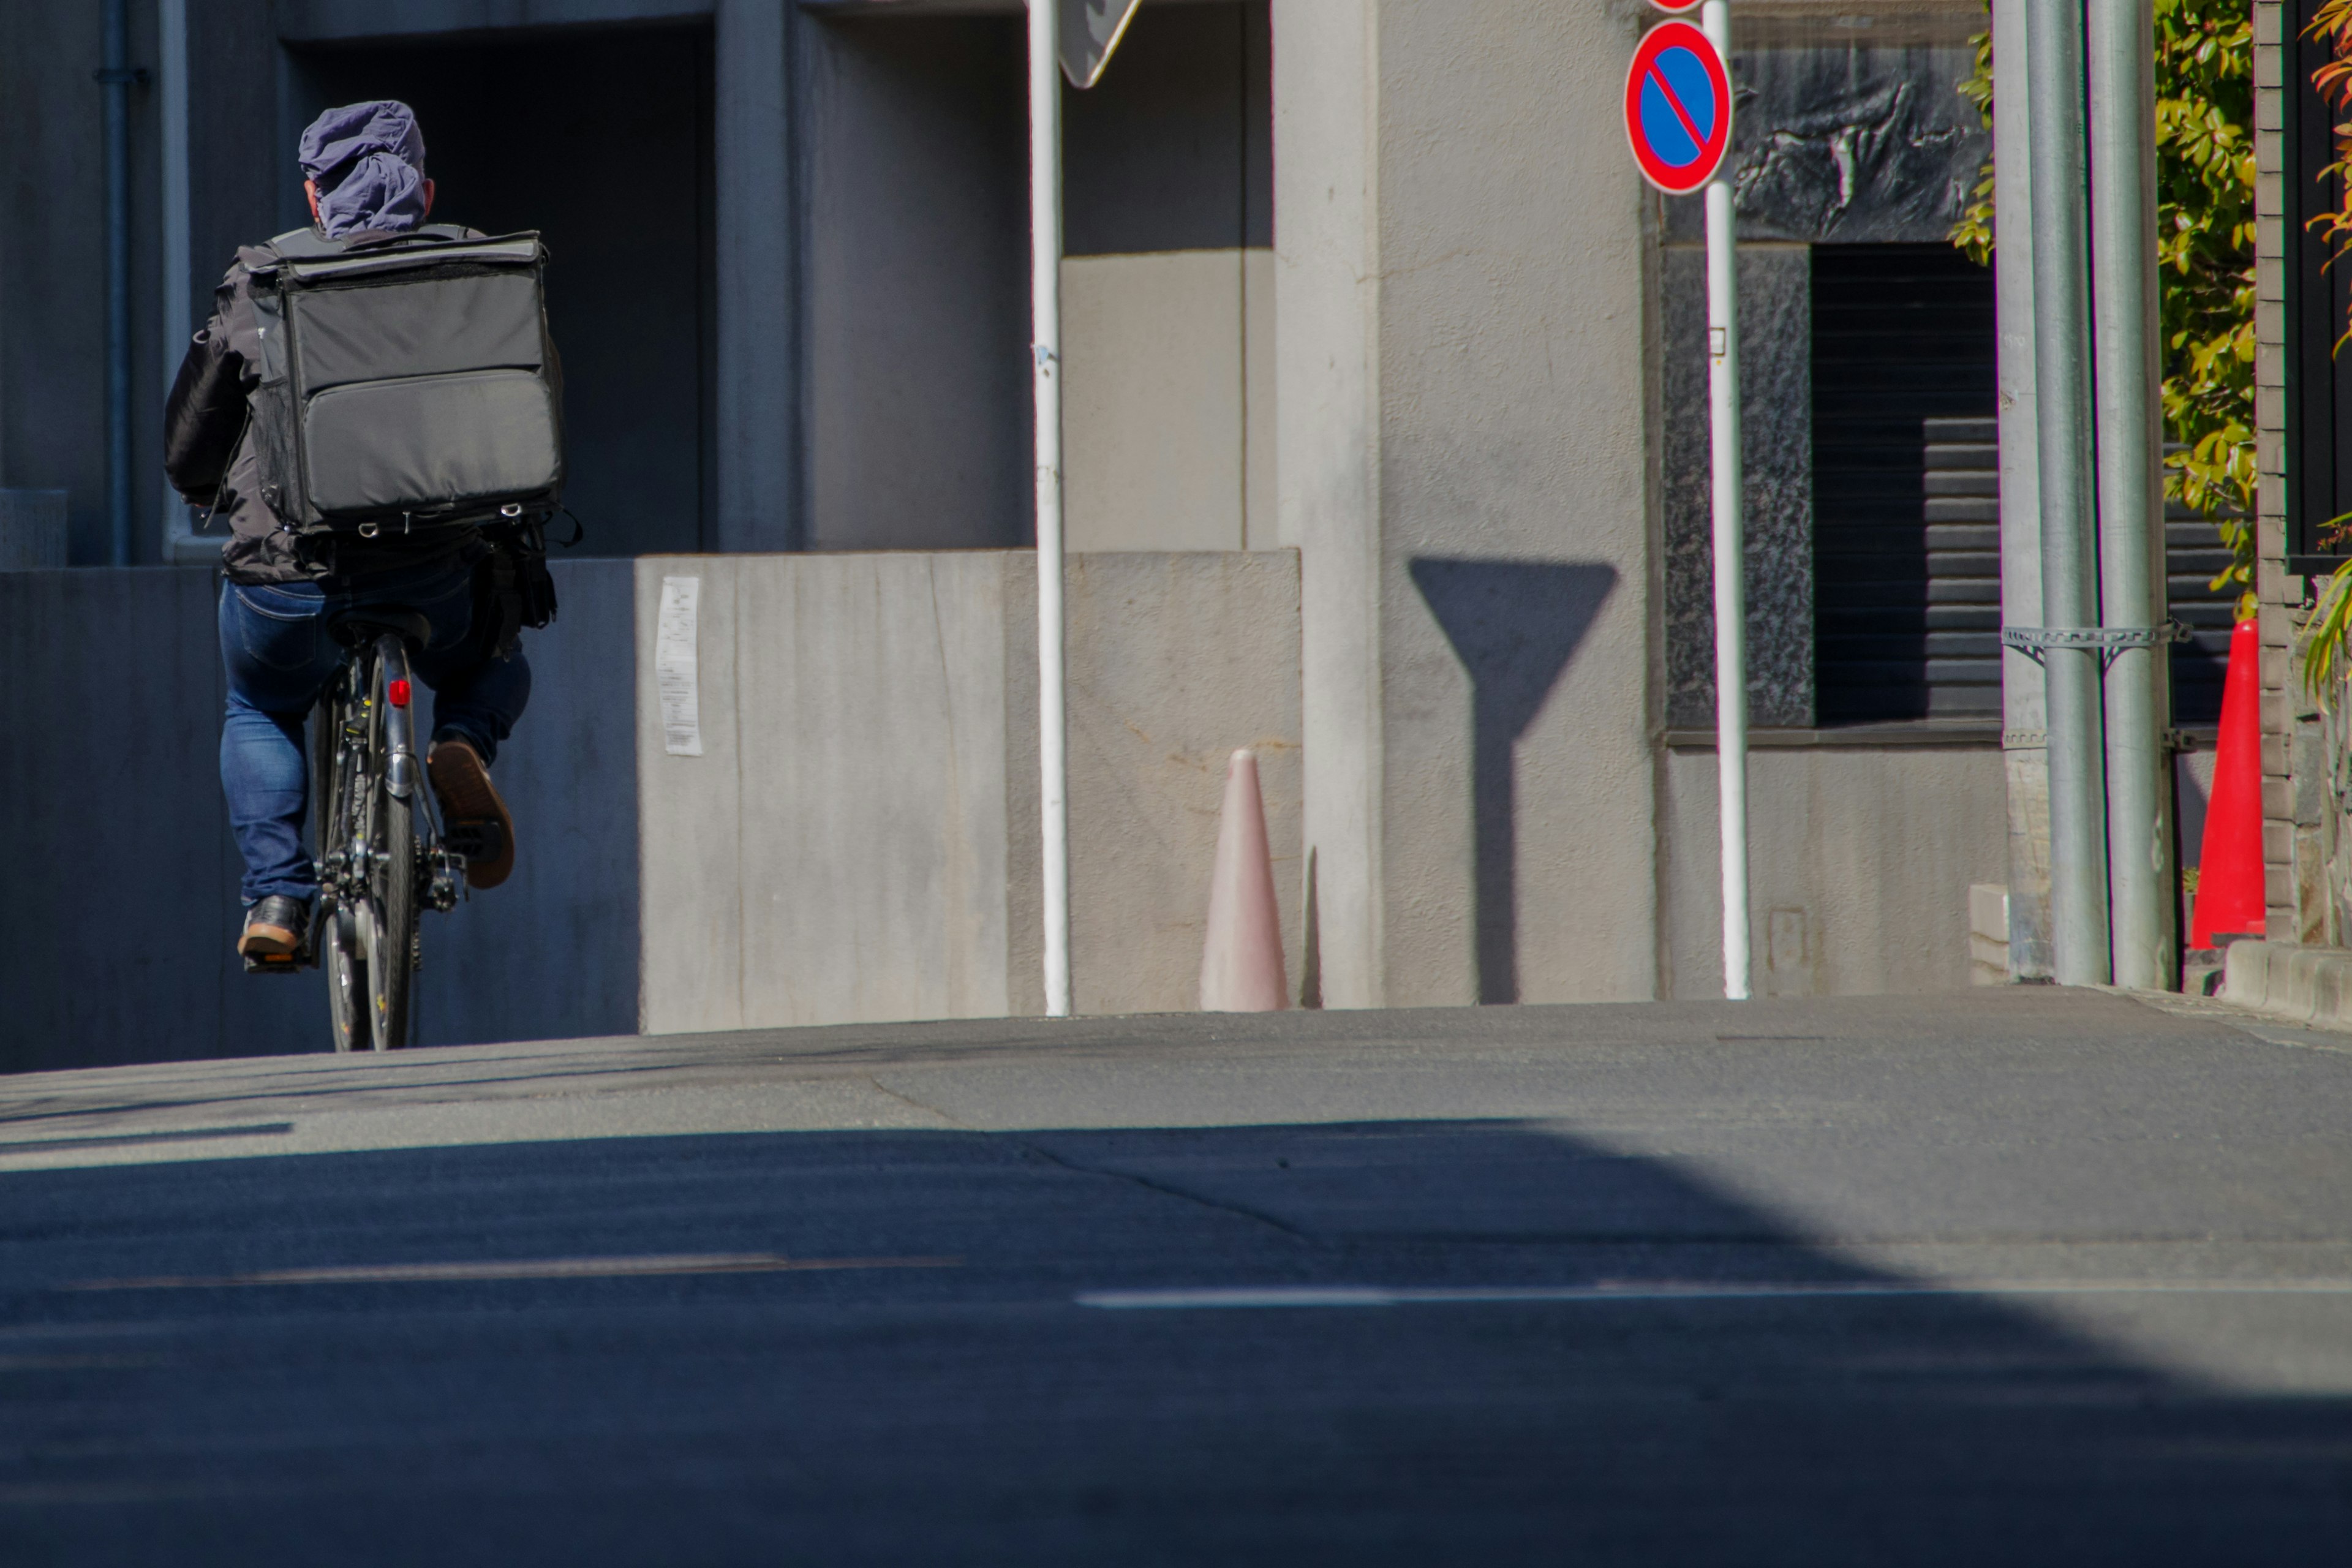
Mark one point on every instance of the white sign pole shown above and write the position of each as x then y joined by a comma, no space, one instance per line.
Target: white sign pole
1730,536
1045,353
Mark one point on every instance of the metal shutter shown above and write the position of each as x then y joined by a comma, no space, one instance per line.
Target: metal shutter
1907,590
1907,542
2193,557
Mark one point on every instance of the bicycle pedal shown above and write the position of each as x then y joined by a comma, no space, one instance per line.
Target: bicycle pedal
275,964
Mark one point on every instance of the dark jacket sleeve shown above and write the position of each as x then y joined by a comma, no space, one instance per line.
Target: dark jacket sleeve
205,414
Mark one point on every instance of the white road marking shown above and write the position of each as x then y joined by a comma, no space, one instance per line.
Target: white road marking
525,1269
1216,1297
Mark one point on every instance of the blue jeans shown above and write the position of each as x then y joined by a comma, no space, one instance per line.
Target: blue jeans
275,642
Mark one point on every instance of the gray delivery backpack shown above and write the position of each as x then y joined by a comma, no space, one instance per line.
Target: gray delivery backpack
407,384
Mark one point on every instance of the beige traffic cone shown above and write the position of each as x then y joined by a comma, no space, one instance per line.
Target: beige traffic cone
1241,964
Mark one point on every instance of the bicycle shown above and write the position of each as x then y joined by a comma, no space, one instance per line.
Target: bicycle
382,847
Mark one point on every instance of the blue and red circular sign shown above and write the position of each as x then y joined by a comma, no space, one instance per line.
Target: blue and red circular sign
1678,108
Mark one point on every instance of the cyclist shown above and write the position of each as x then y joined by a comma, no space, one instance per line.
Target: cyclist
364,175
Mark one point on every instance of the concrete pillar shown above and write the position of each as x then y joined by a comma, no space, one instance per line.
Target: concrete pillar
1463,393
759,357
1327,443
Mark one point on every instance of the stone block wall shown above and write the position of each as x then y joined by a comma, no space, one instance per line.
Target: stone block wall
2303,830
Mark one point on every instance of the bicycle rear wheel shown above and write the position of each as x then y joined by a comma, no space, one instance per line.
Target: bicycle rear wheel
334,774
368,864
392,950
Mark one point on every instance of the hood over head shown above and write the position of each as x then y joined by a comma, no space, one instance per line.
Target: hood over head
368,163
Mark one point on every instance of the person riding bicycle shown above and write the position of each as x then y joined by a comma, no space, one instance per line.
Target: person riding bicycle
364,168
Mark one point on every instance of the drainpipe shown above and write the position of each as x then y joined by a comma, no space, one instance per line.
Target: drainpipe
2069,640
180,540
2130,482
116,77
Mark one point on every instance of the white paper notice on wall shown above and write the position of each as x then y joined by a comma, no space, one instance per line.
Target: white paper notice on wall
675,633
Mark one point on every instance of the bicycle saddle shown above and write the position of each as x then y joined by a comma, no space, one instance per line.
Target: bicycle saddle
353,627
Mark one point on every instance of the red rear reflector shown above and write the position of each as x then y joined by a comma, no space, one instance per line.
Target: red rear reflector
398,692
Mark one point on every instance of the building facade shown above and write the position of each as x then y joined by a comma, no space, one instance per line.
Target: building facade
1365,292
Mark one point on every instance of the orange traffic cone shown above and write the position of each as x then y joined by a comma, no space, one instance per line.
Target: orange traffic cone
1241,964
2230,896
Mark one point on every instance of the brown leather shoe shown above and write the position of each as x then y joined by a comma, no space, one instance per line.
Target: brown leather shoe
476,819
274,930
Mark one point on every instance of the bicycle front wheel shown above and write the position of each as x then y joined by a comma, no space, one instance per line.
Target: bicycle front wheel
392,887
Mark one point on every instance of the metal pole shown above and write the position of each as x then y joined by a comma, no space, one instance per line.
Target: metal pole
2131,500
2025,718
115,79
1730,544
1046,354
2061,363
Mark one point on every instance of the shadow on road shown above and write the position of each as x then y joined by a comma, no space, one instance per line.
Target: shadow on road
977,1413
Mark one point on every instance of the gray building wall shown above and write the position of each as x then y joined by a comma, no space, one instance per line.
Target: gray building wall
1444,382
913,153
1462,310
53,267
916,167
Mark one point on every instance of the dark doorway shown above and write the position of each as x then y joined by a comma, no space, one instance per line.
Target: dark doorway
602,141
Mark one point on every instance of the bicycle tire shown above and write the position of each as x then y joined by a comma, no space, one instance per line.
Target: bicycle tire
330,819
391,955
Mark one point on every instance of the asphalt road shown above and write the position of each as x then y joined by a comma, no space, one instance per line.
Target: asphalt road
2009,1277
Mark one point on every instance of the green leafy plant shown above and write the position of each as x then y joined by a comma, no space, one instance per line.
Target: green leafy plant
2205,253
2326,657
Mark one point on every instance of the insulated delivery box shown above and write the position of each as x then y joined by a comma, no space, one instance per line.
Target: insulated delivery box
406,384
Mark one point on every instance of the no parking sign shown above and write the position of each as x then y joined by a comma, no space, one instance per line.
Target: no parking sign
1678,122
1678,108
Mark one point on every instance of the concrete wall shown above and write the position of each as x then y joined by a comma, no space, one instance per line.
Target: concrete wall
1860,868
1175,660
1168,415
837,852
117,933
122,908
554,953
1462,416
857,841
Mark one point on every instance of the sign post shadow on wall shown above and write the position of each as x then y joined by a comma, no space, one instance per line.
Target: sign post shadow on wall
1514,624
1678,124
